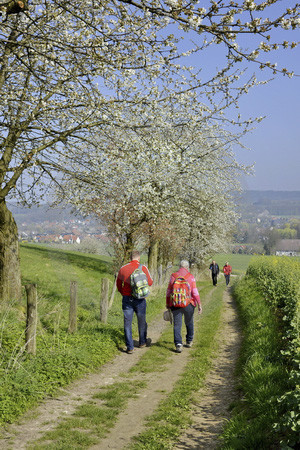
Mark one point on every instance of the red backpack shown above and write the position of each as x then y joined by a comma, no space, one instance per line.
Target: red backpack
181,292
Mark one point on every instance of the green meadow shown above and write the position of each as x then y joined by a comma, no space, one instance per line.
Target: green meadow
239,263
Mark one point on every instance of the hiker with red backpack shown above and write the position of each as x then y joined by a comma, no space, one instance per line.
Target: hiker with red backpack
133,283
182,298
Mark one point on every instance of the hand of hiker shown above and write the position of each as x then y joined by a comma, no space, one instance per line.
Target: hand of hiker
199,309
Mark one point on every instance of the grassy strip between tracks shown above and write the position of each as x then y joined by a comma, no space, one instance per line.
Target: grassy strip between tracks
93,420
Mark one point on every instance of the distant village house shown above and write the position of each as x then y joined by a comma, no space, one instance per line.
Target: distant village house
288,247
69,239
55,238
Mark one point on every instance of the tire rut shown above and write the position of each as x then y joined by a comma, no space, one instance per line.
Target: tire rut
211,407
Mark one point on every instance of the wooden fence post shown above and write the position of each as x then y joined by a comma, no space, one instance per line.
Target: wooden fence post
104,299
31,319
113,292
73,307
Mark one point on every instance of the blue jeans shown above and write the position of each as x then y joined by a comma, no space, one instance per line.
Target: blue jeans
227,278
188,313
131,305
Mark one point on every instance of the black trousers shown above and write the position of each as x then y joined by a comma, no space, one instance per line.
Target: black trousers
214,278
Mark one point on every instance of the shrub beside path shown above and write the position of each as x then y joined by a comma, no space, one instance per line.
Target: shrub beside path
210,408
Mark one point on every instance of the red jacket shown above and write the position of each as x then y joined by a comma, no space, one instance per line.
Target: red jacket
191,279
227,269
123,278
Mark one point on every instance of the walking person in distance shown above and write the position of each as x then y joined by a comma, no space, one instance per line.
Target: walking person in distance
214,272
133,283
182,298
227,269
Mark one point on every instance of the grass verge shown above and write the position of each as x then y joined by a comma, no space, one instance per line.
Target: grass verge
263,374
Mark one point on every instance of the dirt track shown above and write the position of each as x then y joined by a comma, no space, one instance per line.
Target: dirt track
210,409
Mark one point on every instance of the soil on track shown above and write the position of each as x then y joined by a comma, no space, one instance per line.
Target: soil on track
210,408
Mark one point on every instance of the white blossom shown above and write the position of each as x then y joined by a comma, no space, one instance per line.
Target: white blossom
172,3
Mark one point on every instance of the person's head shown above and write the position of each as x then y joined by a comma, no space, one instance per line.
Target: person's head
135,255
185,264
226,264
214,262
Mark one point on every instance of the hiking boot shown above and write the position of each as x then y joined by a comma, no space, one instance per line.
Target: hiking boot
178,348
189,344
147,343
129,351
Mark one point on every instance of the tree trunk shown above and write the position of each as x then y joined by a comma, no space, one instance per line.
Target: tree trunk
152,258
160,275
10,274
128,248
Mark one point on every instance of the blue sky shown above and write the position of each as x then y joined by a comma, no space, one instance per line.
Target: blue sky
274,146
275,143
